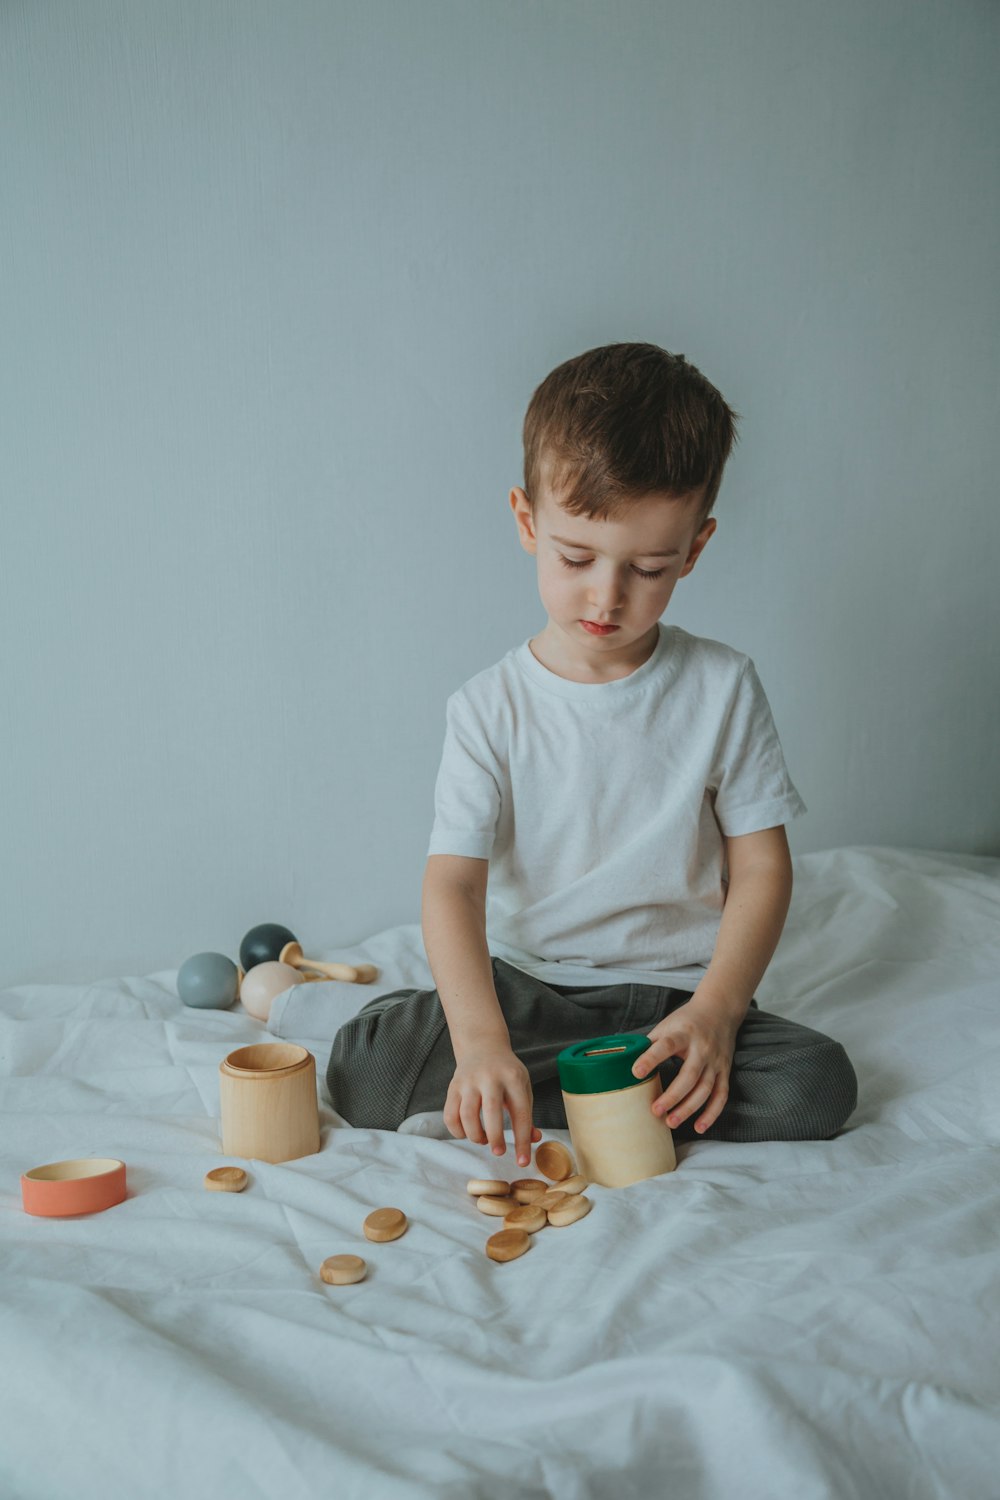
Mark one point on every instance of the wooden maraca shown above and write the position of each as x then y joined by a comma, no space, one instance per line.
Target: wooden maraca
272,943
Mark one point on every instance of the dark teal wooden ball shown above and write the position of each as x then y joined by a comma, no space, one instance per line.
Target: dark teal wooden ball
263,945
208,981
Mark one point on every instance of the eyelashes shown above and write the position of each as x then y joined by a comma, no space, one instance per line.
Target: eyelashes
642,572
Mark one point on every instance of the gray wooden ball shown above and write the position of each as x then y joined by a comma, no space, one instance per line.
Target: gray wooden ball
208,981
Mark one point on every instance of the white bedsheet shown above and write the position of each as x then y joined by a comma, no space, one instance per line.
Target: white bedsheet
811,1320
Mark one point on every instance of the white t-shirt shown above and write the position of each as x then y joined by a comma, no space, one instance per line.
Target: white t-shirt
601,807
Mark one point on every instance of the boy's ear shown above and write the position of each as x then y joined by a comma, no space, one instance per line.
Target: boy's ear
522,515
698,546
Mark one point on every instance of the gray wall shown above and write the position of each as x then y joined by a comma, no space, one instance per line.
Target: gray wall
277,283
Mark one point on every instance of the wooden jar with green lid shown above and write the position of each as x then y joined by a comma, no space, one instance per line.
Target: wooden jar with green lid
616,1137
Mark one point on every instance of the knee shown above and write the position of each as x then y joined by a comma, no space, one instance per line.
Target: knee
823,1094
357,1086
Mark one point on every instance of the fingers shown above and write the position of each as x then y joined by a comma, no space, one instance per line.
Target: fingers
679,1102
716,1104
462,1118
524,1134
659,1049
493,1121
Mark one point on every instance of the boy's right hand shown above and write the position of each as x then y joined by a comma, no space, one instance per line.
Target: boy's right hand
486,1080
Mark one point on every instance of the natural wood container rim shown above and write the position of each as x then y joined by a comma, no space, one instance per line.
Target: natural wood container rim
266,1060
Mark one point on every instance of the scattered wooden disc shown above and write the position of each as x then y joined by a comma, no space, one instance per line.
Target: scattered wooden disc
385,1224
343,1270
552,1199
508,1244
528,1192
553,1160
575,1184
527,1216
500,1207
529,1182
575,1207
487,1187
226,1180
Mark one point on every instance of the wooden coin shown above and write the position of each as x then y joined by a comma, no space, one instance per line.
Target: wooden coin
552,1199
500,1207
487,1187
226,1180
527,1216
508,1244
575,1184
553,1160
574,1208
343,1270
529,1182
530,1193
385,1224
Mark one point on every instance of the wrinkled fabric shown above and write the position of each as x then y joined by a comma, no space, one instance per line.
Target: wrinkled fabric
809,1318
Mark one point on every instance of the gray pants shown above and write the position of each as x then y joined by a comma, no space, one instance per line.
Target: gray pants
395,1059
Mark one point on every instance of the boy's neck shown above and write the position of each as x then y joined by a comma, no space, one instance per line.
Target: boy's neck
551,649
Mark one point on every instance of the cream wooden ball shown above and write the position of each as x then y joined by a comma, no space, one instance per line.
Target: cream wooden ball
264,983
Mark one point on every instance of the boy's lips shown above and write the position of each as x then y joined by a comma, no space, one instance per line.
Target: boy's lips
596,629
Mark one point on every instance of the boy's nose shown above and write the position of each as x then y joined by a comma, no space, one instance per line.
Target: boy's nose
607,596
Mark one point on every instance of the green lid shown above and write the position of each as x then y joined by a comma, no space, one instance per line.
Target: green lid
602,1064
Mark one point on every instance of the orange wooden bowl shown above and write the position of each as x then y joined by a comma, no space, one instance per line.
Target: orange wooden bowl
85,1185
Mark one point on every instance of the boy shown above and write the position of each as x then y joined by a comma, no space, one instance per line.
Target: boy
608,852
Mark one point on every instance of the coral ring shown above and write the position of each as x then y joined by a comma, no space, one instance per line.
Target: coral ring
83,1185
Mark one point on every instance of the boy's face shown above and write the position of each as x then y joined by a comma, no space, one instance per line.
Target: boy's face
619,573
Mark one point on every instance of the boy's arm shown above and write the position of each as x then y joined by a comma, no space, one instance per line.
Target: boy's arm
453,922
489,1077
703,1030
757,901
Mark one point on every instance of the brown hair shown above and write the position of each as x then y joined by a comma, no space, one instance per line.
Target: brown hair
623,421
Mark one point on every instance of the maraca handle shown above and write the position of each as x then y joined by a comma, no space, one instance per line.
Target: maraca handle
350,973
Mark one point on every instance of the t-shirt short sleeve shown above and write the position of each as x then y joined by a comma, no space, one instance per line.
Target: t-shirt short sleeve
467,790
752,786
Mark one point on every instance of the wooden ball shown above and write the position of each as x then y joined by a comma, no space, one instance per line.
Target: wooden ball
264,983
508,1244
263,944
343,1270
208,981
384,1224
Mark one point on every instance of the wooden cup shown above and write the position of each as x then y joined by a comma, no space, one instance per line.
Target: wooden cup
267,1097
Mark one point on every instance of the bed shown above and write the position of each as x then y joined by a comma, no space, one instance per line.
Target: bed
803,1319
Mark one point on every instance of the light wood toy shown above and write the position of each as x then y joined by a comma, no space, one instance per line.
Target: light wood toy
343,1270
527,1216
553,1160
261,987
384,1224
508,1244
291,953
226,1180
272,943
267,1097
499,1207
571,1209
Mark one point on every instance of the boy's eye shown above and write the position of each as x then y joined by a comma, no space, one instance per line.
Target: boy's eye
642,572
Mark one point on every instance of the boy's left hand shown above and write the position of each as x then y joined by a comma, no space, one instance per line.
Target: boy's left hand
706,1040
